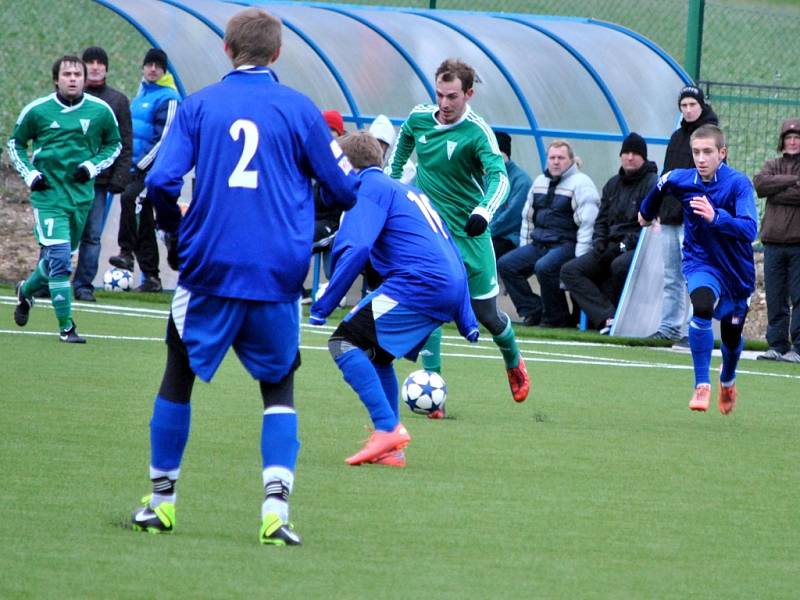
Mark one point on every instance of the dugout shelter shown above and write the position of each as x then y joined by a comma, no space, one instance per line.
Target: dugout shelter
541,78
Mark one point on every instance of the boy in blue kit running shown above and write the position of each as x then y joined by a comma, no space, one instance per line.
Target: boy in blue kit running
243,248
720,225
424,284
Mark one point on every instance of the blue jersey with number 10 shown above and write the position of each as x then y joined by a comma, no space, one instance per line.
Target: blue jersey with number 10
255,145
395,226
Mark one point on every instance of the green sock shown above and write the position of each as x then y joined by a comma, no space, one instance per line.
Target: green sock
507,342
432,352
36,281
61,297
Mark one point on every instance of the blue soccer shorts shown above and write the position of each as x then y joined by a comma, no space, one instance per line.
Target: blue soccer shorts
379,323
264,335
724,306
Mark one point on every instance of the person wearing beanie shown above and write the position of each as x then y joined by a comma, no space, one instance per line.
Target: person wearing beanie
779,182
152,111
112,180
335,122
696,112
595,280
383,131
507,219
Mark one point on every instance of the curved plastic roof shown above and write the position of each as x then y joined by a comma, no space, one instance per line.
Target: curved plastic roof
542,78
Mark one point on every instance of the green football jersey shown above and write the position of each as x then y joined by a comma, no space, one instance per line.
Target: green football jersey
453,161
62,139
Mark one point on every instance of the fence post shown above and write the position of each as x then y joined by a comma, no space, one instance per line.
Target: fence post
694,37
432,4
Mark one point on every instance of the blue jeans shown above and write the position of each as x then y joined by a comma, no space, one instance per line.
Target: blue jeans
782,283
673,305
89,250
545,262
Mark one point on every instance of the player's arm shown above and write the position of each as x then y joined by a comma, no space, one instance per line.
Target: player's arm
110,148
402,151
495,180
466,322
24,132
360,228
777,188
651,204
175,158
587,205
742,225
330,167
162,122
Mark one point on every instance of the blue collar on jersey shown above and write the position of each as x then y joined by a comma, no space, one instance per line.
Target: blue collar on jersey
368,169
254,70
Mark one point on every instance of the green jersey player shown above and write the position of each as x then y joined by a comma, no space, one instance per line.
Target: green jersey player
74,136
460,168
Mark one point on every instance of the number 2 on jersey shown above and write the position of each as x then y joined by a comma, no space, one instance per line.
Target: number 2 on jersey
241,177
430,214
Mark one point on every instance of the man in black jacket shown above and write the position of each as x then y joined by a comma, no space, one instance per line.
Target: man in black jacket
595,279
695,111
112,180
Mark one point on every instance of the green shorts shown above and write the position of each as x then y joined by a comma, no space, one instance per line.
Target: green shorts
60,225
478,256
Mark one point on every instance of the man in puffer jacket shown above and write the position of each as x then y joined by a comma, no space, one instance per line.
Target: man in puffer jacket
595,280
152,110
557,224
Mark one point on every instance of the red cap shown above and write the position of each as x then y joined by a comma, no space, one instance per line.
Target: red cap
334,120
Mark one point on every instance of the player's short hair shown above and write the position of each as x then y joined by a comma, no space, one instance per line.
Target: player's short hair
453,68
253,36
362,149
562,144
67,58
709,132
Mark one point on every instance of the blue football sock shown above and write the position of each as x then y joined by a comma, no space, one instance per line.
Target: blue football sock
390,387
730,358
279,443
360,373
701,342
169,432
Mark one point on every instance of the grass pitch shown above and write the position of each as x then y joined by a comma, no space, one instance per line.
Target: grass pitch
602,485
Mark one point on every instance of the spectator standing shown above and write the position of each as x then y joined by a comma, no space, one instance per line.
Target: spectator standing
507,219
557,223
696,113
242,270
595,279
152,110
779,182
383,131
111,180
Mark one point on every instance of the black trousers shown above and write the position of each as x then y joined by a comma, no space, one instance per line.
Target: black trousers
137,227
595,282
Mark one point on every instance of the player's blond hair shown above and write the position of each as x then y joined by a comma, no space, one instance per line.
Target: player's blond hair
253,36
362,149
710,132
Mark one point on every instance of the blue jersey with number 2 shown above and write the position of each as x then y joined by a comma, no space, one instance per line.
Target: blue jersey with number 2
255,144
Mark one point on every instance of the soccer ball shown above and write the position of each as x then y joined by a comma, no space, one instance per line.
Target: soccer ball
117,280
424,392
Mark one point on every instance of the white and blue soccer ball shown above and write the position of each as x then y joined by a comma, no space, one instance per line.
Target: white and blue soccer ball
117,280
424,391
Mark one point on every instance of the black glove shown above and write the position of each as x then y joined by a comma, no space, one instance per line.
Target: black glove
476,225
82,174
116,188
40,184
171,242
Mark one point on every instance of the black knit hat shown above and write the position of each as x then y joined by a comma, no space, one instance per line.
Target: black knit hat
634,143
504,142
691,91
95,53
156,55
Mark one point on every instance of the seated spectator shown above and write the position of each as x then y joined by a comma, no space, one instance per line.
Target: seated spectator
383,131
507,220
557,223
595,279
779,182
